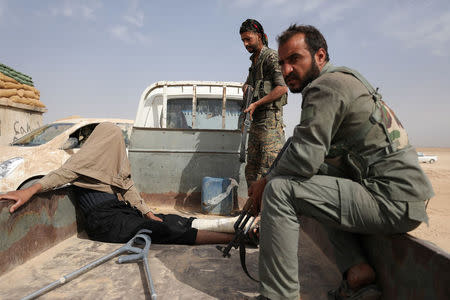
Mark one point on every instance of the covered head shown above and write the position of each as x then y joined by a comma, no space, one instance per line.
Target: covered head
251,25
103,157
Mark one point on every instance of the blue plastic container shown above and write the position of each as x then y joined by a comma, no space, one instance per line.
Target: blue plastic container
215,199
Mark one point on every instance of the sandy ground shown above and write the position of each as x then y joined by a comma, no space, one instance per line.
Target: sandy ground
438,231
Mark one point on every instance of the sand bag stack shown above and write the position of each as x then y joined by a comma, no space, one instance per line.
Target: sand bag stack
18,87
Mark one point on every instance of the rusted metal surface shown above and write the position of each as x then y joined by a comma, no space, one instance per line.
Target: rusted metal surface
43,222
180,201
183,202
407,268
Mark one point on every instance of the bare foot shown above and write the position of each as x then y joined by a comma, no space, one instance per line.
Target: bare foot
360,275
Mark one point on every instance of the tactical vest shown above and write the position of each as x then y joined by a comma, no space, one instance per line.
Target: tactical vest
396,136
264,87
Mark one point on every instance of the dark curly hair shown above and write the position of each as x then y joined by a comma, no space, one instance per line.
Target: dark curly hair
254,26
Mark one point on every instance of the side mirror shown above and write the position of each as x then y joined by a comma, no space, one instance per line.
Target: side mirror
71,143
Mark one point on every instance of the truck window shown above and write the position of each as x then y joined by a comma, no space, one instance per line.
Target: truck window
179,113
233,110
208,114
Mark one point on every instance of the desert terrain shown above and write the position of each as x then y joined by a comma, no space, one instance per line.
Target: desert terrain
438,231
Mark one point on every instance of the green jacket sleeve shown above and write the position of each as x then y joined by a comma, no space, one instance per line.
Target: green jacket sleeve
323,111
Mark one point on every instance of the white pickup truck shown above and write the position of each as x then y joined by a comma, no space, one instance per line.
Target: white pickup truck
426,158
183,132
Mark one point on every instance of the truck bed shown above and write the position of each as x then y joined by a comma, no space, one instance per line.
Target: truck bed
178,272
44,241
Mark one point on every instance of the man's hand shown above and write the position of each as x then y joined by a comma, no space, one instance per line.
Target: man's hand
151,216
20,196
255,192
244,88
250,109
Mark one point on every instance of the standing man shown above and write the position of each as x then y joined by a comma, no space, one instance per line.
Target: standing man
266,136
349,165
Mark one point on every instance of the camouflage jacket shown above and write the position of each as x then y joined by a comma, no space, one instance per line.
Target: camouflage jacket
344,132
264,75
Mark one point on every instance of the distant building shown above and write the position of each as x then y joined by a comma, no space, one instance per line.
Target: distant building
20,107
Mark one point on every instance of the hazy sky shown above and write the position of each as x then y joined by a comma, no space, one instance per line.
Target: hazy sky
95,58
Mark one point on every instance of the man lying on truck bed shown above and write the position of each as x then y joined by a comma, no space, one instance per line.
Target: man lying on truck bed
101,175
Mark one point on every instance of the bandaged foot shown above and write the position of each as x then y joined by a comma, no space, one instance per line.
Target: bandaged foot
220,225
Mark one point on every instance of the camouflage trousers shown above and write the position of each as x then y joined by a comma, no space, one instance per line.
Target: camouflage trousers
266,138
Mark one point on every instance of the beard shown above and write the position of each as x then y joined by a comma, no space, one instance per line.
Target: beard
310,75
251,49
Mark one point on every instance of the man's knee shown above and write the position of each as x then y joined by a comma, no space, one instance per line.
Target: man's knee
279,186
278,191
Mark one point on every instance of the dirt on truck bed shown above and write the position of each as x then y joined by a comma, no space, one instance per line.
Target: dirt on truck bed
178,272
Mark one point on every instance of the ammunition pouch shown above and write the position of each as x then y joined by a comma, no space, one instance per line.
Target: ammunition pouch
356,167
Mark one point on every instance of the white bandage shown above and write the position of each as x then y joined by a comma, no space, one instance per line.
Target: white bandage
218,225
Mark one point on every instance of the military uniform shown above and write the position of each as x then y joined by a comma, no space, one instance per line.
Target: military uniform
266,136
351,167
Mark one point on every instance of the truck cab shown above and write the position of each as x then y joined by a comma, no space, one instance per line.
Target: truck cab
185,131
190,105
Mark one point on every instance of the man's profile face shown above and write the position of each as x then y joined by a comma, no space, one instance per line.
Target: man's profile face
299,68
252,41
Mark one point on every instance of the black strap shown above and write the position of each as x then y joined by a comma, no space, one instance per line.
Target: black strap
242,256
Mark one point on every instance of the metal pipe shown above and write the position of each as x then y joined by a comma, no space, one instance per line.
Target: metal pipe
194,105
224,105
181,151
164,108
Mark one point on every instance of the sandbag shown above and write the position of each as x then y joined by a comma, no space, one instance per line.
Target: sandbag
27,101
18,86
11,85
29,94
7,78
8,92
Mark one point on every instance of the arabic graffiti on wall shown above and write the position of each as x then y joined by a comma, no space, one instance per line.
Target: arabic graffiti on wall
16,123
20,130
